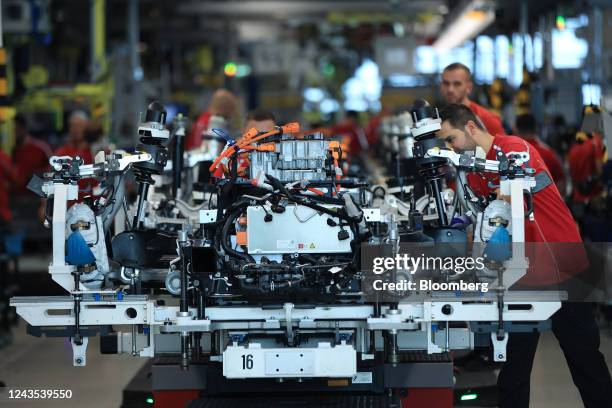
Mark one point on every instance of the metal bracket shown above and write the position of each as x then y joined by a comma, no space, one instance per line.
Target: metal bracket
499,347
79,352
208,216
289,325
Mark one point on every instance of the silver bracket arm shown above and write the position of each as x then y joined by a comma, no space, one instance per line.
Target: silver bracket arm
79,352
499,347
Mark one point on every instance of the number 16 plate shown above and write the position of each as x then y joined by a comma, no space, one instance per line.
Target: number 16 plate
256,362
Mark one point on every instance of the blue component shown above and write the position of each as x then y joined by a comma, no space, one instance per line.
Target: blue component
499,246
78,252
457,293
119,295
344,336
97,297
222,133
238,338
146,330
460,222
434,327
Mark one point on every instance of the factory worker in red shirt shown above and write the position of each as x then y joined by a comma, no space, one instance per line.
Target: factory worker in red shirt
30,155
456,87
573,324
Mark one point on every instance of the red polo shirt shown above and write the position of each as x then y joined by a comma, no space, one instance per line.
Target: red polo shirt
551,159
553,223
585,159
85,185
8,176
32,156
490,120
351,130
194,139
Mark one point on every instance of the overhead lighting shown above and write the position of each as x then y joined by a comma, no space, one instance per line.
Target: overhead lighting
243,70
470,20
230,69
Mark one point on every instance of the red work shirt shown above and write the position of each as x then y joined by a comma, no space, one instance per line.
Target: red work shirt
85,185
32,156
551,159
490,120
194,139
585,160
553,222
371,130
351,130
8,176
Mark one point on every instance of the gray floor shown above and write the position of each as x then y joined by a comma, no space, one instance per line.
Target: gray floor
46,363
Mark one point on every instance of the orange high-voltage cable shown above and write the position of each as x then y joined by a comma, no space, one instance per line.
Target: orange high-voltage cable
251,137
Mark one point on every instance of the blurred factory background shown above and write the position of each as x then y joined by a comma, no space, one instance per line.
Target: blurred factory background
76,75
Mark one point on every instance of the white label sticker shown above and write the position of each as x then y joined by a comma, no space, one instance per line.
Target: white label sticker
284,244
362,377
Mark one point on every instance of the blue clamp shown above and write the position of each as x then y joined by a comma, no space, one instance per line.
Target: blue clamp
238,338
222,133
119,295
97,297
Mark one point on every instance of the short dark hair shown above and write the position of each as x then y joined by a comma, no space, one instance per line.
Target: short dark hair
458,116
526,123
458,65
261,115
20,120
352,114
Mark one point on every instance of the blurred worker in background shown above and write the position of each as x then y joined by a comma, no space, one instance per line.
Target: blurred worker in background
526,128
349,126
8,178
456,87
586,159
371,129
223,104
260,119
30,155
95,138
76,145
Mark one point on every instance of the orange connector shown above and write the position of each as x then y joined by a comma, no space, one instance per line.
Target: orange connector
334,147
241,238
